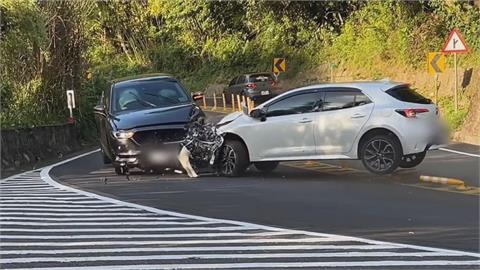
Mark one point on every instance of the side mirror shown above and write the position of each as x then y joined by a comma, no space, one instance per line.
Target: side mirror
259,114
100,109
197,95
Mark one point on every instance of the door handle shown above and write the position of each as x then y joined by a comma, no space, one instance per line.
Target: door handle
357,115
305,120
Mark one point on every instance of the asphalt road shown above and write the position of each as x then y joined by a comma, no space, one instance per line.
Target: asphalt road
308,215
334,197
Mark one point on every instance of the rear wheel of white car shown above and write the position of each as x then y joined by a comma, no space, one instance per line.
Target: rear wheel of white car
233,158
381,154
410,161
266,166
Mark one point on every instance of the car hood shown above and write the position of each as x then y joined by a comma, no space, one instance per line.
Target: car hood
154,117
230,118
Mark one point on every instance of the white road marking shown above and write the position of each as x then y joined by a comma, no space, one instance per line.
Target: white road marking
128,229
275,265
198,248
227,256
167,242
146,218
60,213
5,205
459,152
51,224
144,235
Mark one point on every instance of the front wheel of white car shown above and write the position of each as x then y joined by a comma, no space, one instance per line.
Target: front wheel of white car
381,154
233,158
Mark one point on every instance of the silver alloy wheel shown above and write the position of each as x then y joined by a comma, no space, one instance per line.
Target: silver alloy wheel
228,160
379,155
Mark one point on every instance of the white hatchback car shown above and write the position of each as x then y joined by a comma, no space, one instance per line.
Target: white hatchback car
385,124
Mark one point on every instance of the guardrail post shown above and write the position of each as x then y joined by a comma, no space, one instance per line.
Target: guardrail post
214,102
224,102
239,103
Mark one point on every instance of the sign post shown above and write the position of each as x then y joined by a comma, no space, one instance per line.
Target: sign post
455,44
435,66
71,104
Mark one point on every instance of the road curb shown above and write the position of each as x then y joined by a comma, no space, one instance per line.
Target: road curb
458,184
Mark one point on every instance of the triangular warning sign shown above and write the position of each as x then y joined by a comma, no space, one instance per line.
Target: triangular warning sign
455,43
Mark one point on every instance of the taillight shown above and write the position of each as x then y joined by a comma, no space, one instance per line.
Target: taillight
251,85
411,113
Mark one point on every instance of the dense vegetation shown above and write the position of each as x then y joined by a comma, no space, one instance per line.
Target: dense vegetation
50,46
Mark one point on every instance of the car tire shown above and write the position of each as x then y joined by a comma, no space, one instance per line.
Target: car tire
381,154
233,159
266,166
410,161
106,159
120,170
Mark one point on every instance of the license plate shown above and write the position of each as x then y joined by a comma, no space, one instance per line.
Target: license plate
264,93
158,157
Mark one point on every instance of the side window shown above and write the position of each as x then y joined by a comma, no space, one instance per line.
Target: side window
338,100
302,103
361,99
233,81
241,79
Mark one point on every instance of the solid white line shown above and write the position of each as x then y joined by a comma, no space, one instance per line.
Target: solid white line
458,152
26,214
274,265
196,249
140,235
225,256
55,197
86,219
27,209
28,206
169,242
127,229
3,223
47,200
30,185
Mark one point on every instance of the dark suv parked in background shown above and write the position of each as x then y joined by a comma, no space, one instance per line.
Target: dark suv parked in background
257,86
142,121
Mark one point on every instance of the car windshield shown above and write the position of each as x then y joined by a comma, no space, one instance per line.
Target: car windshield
261,77
148,94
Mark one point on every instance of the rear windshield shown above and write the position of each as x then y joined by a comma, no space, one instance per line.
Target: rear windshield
261,77
407,94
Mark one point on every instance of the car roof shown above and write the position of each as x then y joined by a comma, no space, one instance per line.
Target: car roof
382,85
256,73
142,77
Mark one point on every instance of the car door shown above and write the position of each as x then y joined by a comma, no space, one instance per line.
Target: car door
344,112
103,121
288,131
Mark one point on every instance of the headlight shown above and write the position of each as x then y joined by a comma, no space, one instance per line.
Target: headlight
123,134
